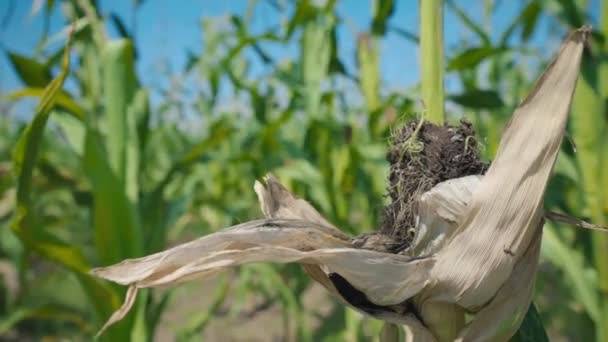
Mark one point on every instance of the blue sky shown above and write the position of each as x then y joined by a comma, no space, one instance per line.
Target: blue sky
165,30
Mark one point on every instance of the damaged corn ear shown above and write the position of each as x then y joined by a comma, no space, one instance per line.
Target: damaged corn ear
489,265
506,210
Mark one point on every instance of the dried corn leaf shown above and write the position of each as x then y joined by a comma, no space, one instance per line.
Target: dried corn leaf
506,210
122,311
386,279
277,202
295,234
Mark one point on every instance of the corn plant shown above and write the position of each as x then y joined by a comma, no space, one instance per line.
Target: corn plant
117,177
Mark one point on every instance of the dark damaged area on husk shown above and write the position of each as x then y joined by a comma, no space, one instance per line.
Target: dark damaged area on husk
421,155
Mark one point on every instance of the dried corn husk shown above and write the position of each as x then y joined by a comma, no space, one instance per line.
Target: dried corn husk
476,247
440,211
506,210
500,319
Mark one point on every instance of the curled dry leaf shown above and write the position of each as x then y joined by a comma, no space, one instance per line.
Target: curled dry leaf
279,240
475,248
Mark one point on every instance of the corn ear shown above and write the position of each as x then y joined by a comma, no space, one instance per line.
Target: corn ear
505,212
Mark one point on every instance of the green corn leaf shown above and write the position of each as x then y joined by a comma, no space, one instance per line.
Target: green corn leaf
407,35
587,127
335,64
568,11
139,109
303,171
565,165
470,58
218,132
73,130
577,273
26,150
140,328
154,204
117,231
305,11
469,23
46,312
369,71
383,10
113,171
27,226
603,90
252,41
32,73
119,85
63,100
315,52
532,329
478,99
120,26
527,19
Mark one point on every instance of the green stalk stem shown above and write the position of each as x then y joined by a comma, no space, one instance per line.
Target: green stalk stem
446,320
431,58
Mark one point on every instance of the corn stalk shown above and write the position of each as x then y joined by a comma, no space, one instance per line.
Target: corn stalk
431,58
446,319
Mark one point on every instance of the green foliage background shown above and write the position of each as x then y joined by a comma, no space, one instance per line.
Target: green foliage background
113,177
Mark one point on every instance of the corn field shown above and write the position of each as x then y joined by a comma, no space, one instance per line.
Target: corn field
99,165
